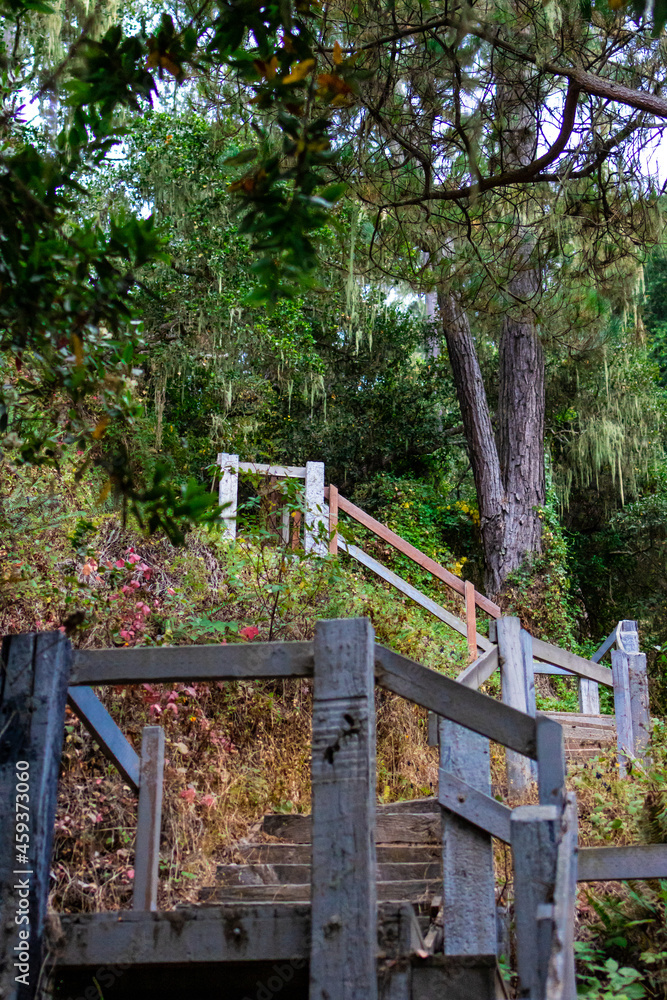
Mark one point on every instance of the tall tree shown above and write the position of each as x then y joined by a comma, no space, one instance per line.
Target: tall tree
479,162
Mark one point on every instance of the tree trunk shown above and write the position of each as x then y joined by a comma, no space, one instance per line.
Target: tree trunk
509,479
521,425
509,472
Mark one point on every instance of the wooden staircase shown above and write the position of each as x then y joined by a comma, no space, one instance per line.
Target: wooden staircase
340,905
409,860
586,736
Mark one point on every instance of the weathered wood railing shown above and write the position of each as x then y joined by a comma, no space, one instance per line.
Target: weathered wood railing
322,506
345,663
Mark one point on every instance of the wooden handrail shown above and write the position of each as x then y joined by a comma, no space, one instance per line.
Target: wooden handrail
89,709
451,700
387,535
164,664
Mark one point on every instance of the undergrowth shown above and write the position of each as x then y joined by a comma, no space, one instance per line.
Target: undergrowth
235,751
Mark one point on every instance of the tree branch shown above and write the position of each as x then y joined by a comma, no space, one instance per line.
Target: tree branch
509,177
590,83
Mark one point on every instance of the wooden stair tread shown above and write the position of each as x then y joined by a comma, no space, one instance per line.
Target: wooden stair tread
282,852
276,874
391,828
607,721
164,956
414,890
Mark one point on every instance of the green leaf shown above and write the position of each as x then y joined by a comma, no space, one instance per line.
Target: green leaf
334,191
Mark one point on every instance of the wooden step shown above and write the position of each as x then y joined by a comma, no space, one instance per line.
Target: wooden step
417,891
401,827
300,854
196,951
578,754
585,728
290,874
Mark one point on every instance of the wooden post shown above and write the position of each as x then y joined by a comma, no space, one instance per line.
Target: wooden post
534,834
315,533
468,888
638,688
285,526
562,979
518,691
471,620
149,819
228,492
551,769
33,693
589,697
628,643
344,894
333,520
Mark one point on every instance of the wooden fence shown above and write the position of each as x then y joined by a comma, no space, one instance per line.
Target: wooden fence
40,671
512,645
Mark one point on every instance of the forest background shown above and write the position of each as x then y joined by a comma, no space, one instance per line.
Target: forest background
175,286
421,243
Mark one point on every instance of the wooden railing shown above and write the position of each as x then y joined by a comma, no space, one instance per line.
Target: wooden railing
40,670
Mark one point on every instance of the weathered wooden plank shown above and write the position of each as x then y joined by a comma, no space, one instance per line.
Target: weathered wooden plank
149,819
333,520
413,553
432,722
588,734
589,691
478,672
551,767
468,882
344,893
604,647
598,721
35,672
474,806
561,978
87,706
234,932
627,635
279,471
250,932
607,864
518,691
471,623
456,702
315,533
426,804
534,833
622,708
455,977
228,491
399,828
406,588
402,890
237,661
639,703
548,653
299,854
286,874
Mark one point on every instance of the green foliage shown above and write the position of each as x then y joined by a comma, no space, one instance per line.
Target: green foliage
604,978
540,591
